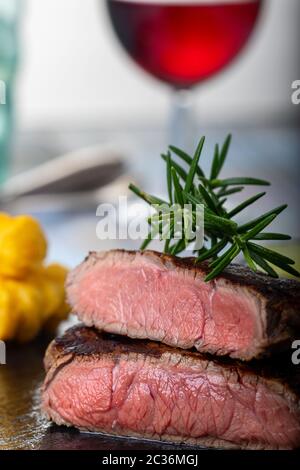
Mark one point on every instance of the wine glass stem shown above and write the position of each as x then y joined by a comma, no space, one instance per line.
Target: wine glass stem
182,124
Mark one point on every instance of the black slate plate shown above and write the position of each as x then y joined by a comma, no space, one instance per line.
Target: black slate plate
22,427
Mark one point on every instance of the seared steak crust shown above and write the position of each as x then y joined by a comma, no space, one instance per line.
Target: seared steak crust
82,341
273,304
282,295
220,402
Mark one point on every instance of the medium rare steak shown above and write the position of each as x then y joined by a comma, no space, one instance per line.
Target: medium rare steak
164,298
116,385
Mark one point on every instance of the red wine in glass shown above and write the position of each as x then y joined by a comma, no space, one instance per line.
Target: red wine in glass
183,42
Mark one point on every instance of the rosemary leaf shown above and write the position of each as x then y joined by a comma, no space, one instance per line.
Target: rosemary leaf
219,228
215,164
245,204
178,247
228,192
253,223
263,263
181,172
215,250
146,242
167,245
248,258
259,227
289,269
194,166
223,154
186,158
146,197
277,260
223,262
177,189
219,224
238,181
194,199
222,202
207,198
270,255
169,178
272,236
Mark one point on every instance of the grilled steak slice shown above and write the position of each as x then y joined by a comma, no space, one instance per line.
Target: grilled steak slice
163,298
116,385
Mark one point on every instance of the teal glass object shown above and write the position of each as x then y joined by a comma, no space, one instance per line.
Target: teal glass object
9,12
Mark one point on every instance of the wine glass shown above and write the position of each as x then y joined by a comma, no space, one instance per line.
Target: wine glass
183,43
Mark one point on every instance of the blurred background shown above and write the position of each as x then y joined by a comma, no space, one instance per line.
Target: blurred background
74,87
79,120
73,72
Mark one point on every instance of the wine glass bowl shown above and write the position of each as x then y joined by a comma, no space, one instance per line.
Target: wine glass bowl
183,42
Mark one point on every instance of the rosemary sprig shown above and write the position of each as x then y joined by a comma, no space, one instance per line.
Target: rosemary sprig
225,239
